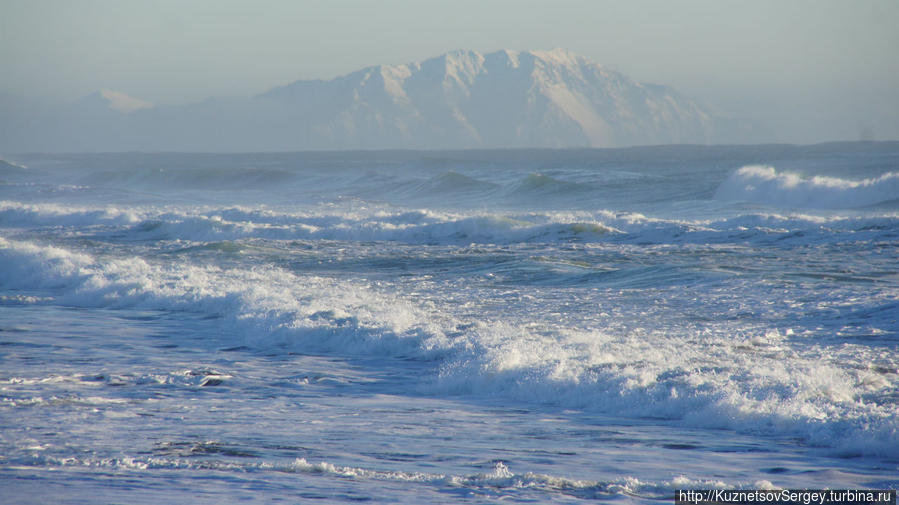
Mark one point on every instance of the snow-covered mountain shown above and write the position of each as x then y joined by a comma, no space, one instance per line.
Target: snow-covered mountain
501,99
115,101
461,99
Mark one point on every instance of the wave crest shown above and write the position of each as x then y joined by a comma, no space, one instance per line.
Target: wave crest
764,184
717,380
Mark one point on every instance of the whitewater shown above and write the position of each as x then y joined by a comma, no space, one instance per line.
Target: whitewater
552,326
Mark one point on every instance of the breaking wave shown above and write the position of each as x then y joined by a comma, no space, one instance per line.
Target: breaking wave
764,184
436,227
713,379
498,482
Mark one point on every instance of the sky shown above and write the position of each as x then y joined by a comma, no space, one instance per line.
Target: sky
811,71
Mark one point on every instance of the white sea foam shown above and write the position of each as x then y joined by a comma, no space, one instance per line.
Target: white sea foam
271,303
755,382
50,214
210,224
500,479
450,324
764,184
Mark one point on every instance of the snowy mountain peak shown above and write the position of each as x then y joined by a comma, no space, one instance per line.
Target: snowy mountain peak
558,56
505,98
508,57
547,98
120,102
458,100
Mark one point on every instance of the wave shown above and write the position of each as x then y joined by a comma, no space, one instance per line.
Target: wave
49,214
742,378
501,482
454,182
454,188
205,178
535,185
268,304
199,225
441,228
764,184
8,169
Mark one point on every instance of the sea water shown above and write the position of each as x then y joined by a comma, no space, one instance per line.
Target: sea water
442,327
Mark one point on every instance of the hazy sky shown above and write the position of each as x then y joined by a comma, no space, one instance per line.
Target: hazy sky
812,70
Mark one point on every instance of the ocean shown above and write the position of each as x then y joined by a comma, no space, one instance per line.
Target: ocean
540,326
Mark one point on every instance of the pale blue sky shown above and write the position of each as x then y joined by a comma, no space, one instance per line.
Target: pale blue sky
814,70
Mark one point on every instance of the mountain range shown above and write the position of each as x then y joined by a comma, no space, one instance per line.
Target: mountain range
459,100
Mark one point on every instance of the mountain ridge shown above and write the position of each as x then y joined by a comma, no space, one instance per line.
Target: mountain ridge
458,100
563,100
